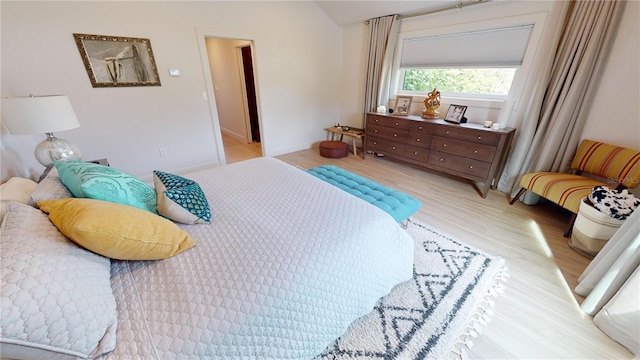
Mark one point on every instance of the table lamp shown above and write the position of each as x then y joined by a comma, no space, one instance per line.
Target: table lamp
43,114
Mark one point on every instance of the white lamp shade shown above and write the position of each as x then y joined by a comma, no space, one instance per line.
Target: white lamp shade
38,114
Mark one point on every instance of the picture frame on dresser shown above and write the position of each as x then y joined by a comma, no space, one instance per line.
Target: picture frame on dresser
403,105
455,114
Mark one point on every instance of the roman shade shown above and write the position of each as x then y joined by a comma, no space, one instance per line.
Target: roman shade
498,47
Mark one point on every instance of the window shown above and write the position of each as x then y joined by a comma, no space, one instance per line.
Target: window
479,63
467,81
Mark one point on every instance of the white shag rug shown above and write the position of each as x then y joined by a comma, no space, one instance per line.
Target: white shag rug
437,313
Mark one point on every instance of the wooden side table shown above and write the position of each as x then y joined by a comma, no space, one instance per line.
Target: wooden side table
353,133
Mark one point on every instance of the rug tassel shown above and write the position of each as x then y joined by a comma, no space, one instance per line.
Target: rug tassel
482,317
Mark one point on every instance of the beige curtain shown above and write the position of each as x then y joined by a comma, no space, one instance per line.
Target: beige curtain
383,35
553,123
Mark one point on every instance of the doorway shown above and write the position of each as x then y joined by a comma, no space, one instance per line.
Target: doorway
234,86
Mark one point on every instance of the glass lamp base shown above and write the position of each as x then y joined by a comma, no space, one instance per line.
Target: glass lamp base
54,149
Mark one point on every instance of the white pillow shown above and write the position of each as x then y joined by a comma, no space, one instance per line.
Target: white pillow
16,189
50,188
57,300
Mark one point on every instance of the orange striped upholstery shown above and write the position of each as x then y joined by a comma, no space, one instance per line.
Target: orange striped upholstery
565,190
612,163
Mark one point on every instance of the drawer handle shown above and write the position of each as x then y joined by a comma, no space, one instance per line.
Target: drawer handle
393,147
479,137
395,135
375,131
397,124
415,153
441,159
470,166
419,127
375,143
475,151
418,139
447,131
377,120
444,145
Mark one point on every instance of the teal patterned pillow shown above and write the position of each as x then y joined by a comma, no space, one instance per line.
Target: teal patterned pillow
89,180
181,199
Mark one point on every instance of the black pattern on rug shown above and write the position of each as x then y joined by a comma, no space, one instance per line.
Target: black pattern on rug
433,315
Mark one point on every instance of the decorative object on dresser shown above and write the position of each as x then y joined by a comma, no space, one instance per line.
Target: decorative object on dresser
455,114
432,103
403,105
43,115
469,151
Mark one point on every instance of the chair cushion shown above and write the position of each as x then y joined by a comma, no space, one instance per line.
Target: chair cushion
620,165
566,190
395,203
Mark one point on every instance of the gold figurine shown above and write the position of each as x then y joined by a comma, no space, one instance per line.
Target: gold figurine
432,103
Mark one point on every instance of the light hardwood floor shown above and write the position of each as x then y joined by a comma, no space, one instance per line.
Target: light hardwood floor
538,315
237,151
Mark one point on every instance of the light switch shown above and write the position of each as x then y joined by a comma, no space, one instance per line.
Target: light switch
174,72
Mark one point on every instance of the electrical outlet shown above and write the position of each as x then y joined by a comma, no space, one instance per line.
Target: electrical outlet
163,152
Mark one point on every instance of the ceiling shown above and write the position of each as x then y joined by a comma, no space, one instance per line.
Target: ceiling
345,12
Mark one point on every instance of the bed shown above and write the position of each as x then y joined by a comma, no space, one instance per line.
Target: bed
286,263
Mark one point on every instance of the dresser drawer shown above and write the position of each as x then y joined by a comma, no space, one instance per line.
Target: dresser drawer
387,121
421,127
466,134
459,163
384,146
463,148
419,139
387,133
416,153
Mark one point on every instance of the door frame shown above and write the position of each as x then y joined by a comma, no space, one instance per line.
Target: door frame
209,95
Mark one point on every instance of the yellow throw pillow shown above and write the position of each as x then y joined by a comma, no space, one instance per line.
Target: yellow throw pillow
116,231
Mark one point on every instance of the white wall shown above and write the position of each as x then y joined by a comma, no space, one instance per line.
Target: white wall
297,51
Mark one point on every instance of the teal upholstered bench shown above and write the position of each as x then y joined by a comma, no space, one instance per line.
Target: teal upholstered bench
396,203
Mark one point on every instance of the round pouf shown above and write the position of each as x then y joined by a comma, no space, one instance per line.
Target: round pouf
334,149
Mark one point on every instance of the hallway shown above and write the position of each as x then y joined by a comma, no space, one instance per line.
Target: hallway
237,151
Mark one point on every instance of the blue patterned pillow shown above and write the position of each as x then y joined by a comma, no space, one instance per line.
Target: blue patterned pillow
181,199
89,180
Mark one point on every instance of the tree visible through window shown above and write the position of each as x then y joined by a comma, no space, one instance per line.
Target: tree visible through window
480,81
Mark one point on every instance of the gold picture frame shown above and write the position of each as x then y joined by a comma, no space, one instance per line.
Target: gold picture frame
117,61
403,105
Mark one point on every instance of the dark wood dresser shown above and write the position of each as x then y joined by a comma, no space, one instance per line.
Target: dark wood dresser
469,151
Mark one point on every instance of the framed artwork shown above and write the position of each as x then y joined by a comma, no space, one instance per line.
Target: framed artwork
116,61
456,114
403,104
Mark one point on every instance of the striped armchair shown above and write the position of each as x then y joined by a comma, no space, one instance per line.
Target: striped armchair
618,166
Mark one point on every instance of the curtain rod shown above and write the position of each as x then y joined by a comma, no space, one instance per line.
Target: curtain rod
445,8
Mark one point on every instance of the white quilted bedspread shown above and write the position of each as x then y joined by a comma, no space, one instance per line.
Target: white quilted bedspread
288,262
